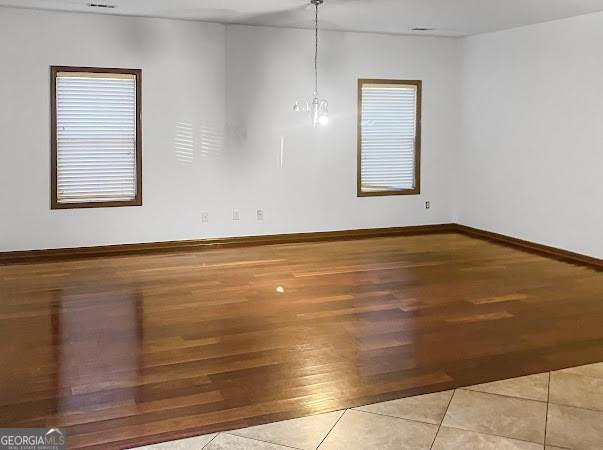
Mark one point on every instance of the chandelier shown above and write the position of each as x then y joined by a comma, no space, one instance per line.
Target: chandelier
318,107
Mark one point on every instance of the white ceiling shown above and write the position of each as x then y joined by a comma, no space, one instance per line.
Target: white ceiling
447,17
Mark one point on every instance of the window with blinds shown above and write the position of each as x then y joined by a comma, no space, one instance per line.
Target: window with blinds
96,148
389,137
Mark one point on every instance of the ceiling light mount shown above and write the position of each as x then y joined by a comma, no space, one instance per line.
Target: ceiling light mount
101,5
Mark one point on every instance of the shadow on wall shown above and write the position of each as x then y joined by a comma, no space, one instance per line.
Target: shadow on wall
184,143
204,141
272,70
140,36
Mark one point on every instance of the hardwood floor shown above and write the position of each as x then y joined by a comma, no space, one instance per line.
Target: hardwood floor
123,351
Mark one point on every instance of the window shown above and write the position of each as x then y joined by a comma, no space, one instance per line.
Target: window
389,137
96,145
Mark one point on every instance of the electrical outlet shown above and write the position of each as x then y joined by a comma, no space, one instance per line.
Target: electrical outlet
235,214
204,217
260,214
427,205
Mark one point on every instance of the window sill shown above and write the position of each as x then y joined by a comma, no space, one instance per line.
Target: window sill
415,191
135,202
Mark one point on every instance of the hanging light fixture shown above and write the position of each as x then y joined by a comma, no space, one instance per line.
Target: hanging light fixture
319,107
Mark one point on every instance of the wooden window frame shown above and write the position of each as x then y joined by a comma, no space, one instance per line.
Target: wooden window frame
54,203
417,189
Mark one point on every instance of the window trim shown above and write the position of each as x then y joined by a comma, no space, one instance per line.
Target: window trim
54,203
417,189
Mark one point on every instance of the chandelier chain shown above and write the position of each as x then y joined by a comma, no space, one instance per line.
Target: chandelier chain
318,107
316,49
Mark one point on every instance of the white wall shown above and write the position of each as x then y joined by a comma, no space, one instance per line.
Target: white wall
183,82
315,189
531,160
233,89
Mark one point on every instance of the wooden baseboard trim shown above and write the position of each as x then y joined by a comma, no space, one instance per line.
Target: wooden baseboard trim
30,256
555,252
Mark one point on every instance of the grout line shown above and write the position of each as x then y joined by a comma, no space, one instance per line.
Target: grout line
495,435
546,417
442,421
467,388
334,425
503,395
258,440
392,417
211,440
567,405
475,431
578,407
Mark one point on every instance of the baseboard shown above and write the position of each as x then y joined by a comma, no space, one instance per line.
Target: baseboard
27,256
532,246
30,256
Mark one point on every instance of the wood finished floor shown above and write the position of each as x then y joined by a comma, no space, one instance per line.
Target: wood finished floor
124,351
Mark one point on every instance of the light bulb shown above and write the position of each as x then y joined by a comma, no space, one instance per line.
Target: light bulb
315,110
323,117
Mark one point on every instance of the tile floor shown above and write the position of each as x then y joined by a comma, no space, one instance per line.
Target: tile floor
548,411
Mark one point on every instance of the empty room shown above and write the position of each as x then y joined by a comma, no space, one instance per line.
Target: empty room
301,224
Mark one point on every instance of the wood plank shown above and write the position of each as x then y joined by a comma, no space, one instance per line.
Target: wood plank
130,350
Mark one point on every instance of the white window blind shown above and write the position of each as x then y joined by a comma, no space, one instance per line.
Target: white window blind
95,137
388,137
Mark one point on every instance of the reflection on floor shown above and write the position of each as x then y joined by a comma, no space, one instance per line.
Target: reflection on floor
127,351
562,409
